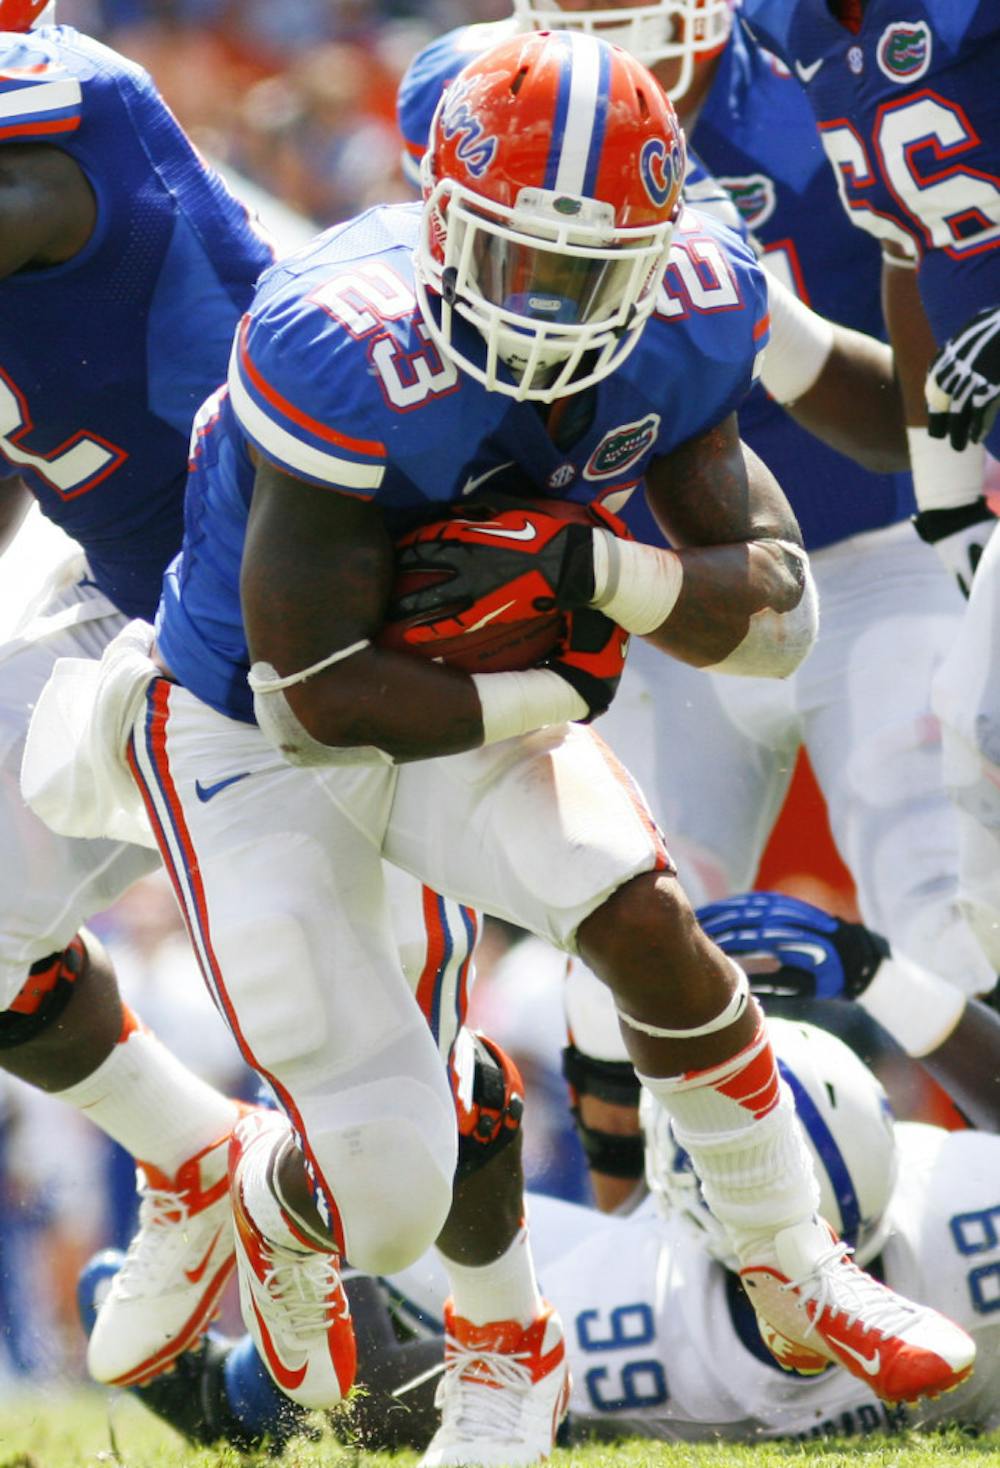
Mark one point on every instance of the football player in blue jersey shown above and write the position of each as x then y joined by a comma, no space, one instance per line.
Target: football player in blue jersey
661,1341
907,106
124,266
860,705
524,318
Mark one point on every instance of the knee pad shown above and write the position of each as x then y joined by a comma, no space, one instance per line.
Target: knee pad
489,1100
391,1191
43,996
614,1081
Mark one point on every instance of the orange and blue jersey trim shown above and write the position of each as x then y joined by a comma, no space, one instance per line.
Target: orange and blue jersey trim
305,446
38,101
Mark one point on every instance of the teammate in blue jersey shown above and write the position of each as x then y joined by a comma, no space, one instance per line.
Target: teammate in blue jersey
907,106
662,1342
718,754
124,266
524,318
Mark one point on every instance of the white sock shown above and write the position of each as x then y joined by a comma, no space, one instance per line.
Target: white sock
737,1123
145,1099
504,1290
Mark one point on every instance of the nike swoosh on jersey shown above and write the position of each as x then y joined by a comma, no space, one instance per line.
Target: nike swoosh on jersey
526,532
473,482
194,1275
806,73
206,792
870,1365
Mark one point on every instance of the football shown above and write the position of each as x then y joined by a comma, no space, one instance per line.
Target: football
468,591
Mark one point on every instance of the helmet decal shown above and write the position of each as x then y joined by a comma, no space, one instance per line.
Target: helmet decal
474,149
658,165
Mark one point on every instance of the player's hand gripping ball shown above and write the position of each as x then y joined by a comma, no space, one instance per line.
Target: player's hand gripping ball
486,587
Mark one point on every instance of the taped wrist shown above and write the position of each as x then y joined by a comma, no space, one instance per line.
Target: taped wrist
935,525
520,703
614,1081
635,585
944,478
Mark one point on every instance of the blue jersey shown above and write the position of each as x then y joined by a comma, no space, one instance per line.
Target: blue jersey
909,114
335,379
756,138
105,359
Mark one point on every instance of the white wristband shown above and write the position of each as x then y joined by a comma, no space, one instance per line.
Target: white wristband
519,703
918,1008
943,477
799,345
635,585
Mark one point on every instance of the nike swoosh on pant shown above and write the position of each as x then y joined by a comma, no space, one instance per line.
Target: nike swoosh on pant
206,792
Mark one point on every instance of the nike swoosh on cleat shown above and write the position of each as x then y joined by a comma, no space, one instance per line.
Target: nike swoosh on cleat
194,1275
286,1376
805,73
206,792
526,532
870,1365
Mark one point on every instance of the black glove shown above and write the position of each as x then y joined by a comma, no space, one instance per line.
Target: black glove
590,655
963,383
959,536
814,955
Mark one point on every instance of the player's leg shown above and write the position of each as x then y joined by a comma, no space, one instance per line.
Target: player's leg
890,616
65,1029
280,879
505,1365
966,698
557,840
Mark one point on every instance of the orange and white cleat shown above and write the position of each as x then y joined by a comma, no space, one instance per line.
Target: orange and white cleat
504,1393
167,1292
292,1300
815,1306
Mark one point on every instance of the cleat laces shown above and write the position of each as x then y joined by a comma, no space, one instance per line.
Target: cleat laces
306,1291
159,1246
851,1293
485,1391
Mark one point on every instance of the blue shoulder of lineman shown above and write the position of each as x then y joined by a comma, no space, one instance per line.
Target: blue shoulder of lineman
300,381
426,77
41,94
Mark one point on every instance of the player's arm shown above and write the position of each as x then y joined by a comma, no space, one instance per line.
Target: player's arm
839,384
15,502
953,515
316,575
736,593
47,207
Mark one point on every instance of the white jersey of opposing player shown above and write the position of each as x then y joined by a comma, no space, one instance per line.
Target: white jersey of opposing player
652,1344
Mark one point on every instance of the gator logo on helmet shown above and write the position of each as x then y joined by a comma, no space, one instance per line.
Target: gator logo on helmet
754,197
622,447
474,150
660,168
904,51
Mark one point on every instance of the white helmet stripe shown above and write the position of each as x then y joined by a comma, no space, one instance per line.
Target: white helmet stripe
585,116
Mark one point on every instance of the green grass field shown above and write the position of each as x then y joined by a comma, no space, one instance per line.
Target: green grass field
87,1429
